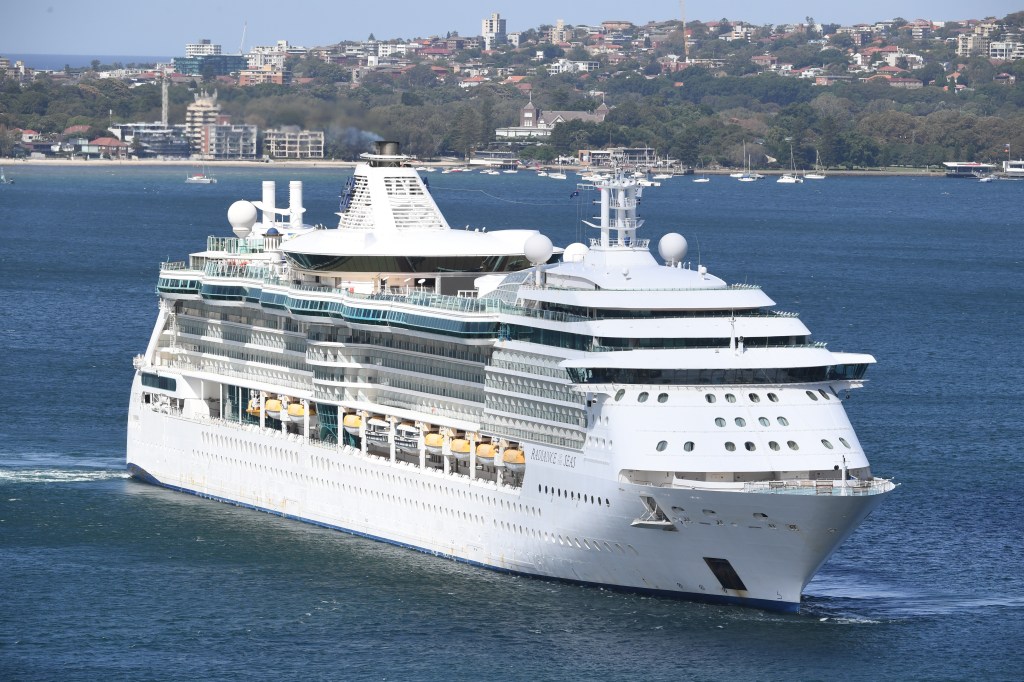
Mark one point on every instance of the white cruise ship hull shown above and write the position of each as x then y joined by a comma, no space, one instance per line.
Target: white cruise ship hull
578,527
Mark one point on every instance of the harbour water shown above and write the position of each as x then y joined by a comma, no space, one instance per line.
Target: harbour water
106,578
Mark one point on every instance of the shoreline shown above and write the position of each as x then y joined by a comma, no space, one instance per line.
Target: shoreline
332,163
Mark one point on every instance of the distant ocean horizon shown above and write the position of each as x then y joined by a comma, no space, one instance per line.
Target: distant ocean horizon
57,62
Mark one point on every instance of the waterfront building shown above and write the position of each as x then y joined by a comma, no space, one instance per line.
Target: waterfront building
210,65
291,143
267,73
228,142
202,112
535,122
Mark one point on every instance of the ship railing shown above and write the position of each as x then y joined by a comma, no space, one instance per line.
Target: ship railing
186,362
733,287
820,487
174,265
234,245
232,269
623,243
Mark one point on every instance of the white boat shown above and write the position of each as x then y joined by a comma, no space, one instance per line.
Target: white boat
557,175
791,177
661,176
4,180
702,178
200,178
745,476
818,173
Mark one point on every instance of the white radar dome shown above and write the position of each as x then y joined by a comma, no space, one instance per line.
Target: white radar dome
538,249
574,253
242,216
672,247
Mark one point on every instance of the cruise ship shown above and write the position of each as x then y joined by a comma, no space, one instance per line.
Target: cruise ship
592,413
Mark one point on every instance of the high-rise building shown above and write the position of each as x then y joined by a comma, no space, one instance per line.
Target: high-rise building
202,48
493,31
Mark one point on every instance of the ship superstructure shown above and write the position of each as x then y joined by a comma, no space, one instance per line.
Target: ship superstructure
587,414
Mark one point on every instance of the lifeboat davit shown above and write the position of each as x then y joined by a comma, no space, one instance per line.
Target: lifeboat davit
351,423
377,429
514,459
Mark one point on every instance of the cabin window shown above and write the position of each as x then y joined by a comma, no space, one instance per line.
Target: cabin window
688,446
642,398
730,398
811,395
740,421
826,443
844,442
773,445
754,398
783,421
662,445
772,397
663,397
730,446
764,421
710,397
720,421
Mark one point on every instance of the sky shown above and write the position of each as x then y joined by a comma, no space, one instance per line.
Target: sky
144,28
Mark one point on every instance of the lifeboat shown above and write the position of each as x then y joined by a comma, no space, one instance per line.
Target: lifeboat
514,459
485,452
351,423
377,429
298,411
254,407
433,442
273,408
407,437
460,449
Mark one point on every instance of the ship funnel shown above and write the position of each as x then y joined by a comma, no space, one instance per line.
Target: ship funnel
386,147
295,209
269,203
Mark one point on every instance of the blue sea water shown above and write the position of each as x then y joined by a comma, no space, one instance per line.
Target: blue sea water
102,577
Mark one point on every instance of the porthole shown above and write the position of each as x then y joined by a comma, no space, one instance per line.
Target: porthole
688,446
710,397
719,421
772,397
750,446
663,397
754,398
824,395
740,421
773,445
811,395
826,443
730,446
618,394
764,421
792,445
642,398
730,398
844,441
662,445
783,421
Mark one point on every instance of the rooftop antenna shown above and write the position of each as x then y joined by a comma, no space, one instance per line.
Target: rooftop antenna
163,98
241,44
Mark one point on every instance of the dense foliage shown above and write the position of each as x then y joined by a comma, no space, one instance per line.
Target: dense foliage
693,115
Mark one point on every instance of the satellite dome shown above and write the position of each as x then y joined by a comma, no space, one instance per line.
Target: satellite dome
574,253
242,216
272,232
538,249
672,247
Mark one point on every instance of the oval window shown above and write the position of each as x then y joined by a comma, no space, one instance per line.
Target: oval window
642,398
719,421
792,445
662,444
826,443
764,421
663,397
754,398
773,445
824,394
730,398
618,394
740,421
750,446
772,397
844,442
688,446
811,395
731,447
710,397
783,421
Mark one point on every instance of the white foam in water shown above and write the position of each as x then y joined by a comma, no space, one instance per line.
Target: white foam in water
59,475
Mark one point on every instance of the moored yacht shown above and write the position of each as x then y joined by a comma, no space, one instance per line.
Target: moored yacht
487,397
